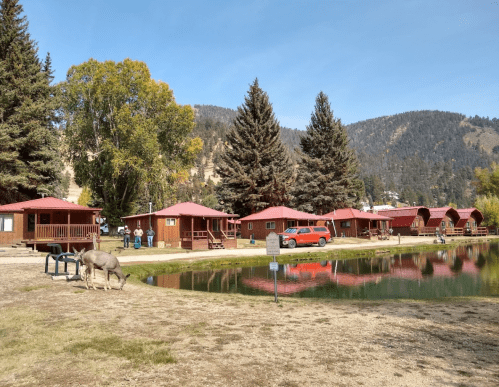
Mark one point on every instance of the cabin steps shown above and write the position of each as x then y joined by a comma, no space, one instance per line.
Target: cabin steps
216,245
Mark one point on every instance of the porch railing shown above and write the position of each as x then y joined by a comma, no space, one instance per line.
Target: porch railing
64,232
454,231
194,235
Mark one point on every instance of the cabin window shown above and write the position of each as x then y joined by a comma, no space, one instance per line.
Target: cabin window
442,225
475,224
31,222
270,225
250,226
467,224
345,224
291,223
216,225
310,222
44,218
171,221
7,223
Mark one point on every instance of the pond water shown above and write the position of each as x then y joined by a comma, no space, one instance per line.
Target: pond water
471,270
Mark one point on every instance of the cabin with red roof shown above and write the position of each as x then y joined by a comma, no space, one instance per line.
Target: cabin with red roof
350,222
276,219
47,220
409,221
187,225
444,220
470,220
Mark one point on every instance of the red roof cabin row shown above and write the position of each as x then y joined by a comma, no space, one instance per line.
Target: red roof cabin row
187,225
47,220
427,221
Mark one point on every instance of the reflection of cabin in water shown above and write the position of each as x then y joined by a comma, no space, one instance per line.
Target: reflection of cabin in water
409,221
277,219
47,220
187,225
350,222
470,220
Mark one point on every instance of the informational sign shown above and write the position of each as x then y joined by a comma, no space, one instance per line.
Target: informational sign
273,247
273,266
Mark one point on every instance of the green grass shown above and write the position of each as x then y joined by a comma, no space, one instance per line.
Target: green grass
31,288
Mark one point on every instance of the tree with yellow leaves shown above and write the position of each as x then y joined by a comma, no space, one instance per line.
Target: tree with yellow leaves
127,138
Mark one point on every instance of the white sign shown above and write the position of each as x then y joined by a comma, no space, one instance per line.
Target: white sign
273,247
273,266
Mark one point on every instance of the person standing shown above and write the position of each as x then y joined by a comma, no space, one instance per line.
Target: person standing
138,235
150,235
126,237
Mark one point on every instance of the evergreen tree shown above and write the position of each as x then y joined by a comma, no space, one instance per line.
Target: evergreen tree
254,166
327,174
29,161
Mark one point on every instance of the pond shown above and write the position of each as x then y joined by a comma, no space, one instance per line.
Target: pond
471,270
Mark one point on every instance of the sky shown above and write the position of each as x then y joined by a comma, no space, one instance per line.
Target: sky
371,57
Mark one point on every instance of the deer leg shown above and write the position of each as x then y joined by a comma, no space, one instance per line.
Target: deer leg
106,279
92,268
87,271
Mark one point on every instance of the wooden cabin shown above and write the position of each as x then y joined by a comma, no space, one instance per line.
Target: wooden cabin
276,219
187,225
409,221
444,220
350,222
470,220
39,222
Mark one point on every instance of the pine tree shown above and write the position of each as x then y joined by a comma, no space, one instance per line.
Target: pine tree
29,158
327,174
255,166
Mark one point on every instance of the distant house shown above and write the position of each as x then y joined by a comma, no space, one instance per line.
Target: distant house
409,221
470,220
276,219
49,220
350,222
187,225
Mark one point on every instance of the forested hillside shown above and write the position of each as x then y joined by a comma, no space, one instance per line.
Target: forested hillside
427,157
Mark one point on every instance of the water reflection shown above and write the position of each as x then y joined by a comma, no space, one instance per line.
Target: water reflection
464,271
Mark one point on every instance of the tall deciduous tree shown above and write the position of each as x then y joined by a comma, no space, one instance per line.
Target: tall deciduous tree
327,174
29,161
127,138
255,167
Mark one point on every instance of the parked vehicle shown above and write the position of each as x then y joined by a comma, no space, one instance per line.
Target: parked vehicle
104,229
307,235
121,231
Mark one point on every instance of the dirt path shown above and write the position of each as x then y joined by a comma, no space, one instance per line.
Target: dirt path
57,333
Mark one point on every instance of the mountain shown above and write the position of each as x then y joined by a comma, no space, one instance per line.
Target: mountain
426,156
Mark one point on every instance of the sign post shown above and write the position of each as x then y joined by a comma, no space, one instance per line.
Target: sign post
273,248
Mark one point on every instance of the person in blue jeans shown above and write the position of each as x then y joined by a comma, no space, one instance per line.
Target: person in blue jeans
150,235
126,237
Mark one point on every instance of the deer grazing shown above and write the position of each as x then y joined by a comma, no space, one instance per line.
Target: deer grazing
108,263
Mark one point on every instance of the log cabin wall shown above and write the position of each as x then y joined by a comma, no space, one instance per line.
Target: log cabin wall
8,238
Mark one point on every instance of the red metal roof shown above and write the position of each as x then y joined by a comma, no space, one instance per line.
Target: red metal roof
352,213
466,213
282,212
404,216
187,209
48,203
437,214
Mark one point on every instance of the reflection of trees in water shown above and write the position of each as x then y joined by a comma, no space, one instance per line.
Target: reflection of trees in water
428,269
457,266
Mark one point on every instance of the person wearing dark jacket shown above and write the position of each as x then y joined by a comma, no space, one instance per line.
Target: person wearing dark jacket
126,237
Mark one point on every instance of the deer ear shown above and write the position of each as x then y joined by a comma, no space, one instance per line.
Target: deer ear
82,251
128,275
75,251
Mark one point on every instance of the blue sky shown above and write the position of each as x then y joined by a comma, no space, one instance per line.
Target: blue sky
371,57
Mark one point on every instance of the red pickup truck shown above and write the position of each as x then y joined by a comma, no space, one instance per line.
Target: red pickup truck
307,235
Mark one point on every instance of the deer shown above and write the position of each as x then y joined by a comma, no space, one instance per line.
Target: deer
108,263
